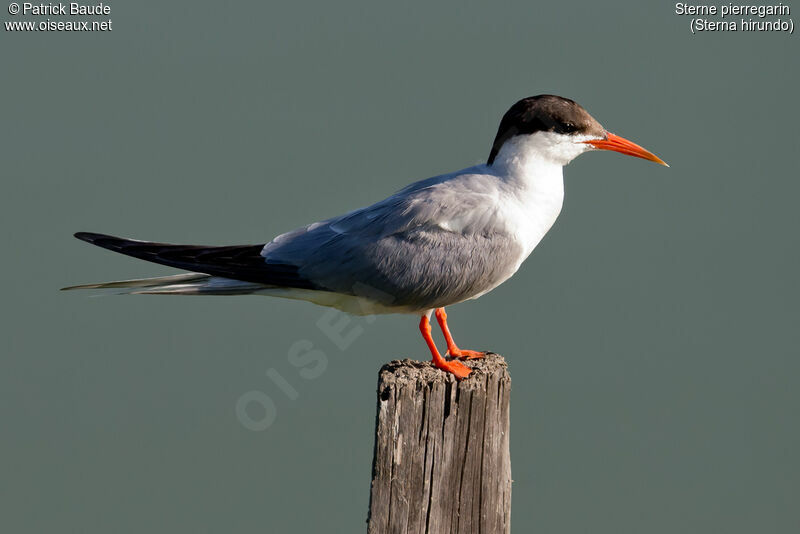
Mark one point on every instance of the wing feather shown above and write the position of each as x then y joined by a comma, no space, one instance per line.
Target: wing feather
439,241
239,262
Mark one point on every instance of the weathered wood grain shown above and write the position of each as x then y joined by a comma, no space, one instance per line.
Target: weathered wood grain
442,462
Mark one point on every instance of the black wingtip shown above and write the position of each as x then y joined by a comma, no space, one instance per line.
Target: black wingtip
90,237
239,262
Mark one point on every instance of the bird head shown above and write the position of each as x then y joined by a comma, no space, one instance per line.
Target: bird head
557,129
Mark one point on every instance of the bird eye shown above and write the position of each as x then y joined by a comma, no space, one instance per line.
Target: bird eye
569,127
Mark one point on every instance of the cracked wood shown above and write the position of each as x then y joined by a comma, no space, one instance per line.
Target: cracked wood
442,462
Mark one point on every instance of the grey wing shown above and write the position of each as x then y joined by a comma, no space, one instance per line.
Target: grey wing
434,243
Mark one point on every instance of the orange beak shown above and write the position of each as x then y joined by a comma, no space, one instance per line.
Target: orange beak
623,146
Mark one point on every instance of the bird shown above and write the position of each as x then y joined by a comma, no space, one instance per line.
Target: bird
437,242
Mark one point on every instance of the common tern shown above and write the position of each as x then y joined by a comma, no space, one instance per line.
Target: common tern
437,242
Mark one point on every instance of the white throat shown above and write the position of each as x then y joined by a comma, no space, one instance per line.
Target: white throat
526,153
532,168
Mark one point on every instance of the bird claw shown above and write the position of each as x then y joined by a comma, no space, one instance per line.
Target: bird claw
456,368
466,354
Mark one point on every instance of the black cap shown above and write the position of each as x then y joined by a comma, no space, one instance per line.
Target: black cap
544,113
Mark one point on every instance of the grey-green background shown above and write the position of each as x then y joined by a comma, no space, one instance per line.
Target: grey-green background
652,337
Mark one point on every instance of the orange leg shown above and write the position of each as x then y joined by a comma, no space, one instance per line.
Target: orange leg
457,368
452,349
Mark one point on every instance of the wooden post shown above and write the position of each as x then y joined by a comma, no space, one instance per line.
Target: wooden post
442,462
